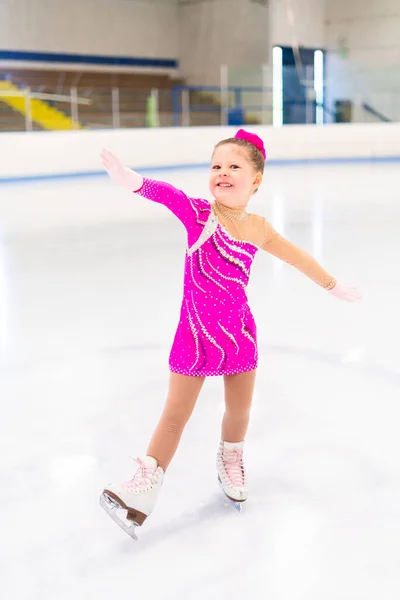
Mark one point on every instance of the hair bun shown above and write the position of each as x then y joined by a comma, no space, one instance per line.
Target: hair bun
252,138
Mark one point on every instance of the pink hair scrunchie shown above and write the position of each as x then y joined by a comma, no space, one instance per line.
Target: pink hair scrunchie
252,138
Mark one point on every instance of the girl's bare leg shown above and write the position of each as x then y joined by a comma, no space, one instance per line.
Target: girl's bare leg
183,392
238,398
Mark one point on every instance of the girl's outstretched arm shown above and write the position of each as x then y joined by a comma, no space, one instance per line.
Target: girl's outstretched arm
157,191
281,248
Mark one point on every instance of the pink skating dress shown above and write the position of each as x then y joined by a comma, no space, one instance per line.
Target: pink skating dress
217,334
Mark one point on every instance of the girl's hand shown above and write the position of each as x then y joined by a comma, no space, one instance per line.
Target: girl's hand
119,173
344,292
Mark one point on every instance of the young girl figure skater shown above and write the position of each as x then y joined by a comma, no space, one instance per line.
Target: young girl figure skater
216,334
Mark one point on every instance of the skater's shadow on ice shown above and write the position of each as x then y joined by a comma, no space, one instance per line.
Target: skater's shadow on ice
206,511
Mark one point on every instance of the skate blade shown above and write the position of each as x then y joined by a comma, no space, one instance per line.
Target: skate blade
236,505
115,511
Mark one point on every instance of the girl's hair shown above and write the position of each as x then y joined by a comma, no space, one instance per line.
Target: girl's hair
256,158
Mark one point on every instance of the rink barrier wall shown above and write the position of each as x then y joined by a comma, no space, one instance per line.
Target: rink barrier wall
49,155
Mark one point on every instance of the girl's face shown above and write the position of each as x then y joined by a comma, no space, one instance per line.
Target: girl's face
233,178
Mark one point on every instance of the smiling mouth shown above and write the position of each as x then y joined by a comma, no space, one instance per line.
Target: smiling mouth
224,185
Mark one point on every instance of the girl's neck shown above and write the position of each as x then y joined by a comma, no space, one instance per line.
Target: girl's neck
237,213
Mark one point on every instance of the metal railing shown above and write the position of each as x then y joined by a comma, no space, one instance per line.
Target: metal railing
243,97
73,100
92,108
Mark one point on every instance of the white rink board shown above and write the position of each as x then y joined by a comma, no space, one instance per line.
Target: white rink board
68,153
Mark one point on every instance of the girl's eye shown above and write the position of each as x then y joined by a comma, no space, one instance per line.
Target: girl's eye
235,167
216,167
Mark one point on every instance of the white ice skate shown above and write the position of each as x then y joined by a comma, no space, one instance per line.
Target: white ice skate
130,503
231,472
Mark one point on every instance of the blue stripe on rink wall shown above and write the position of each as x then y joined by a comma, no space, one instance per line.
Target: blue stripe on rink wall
89,59
144,170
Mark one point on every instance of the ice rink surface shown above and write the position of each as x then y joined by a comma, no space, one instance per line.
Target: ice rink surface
89,302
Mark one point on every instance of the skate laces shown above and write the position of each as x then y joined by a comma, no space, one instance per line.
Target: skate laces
144,476
233,463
